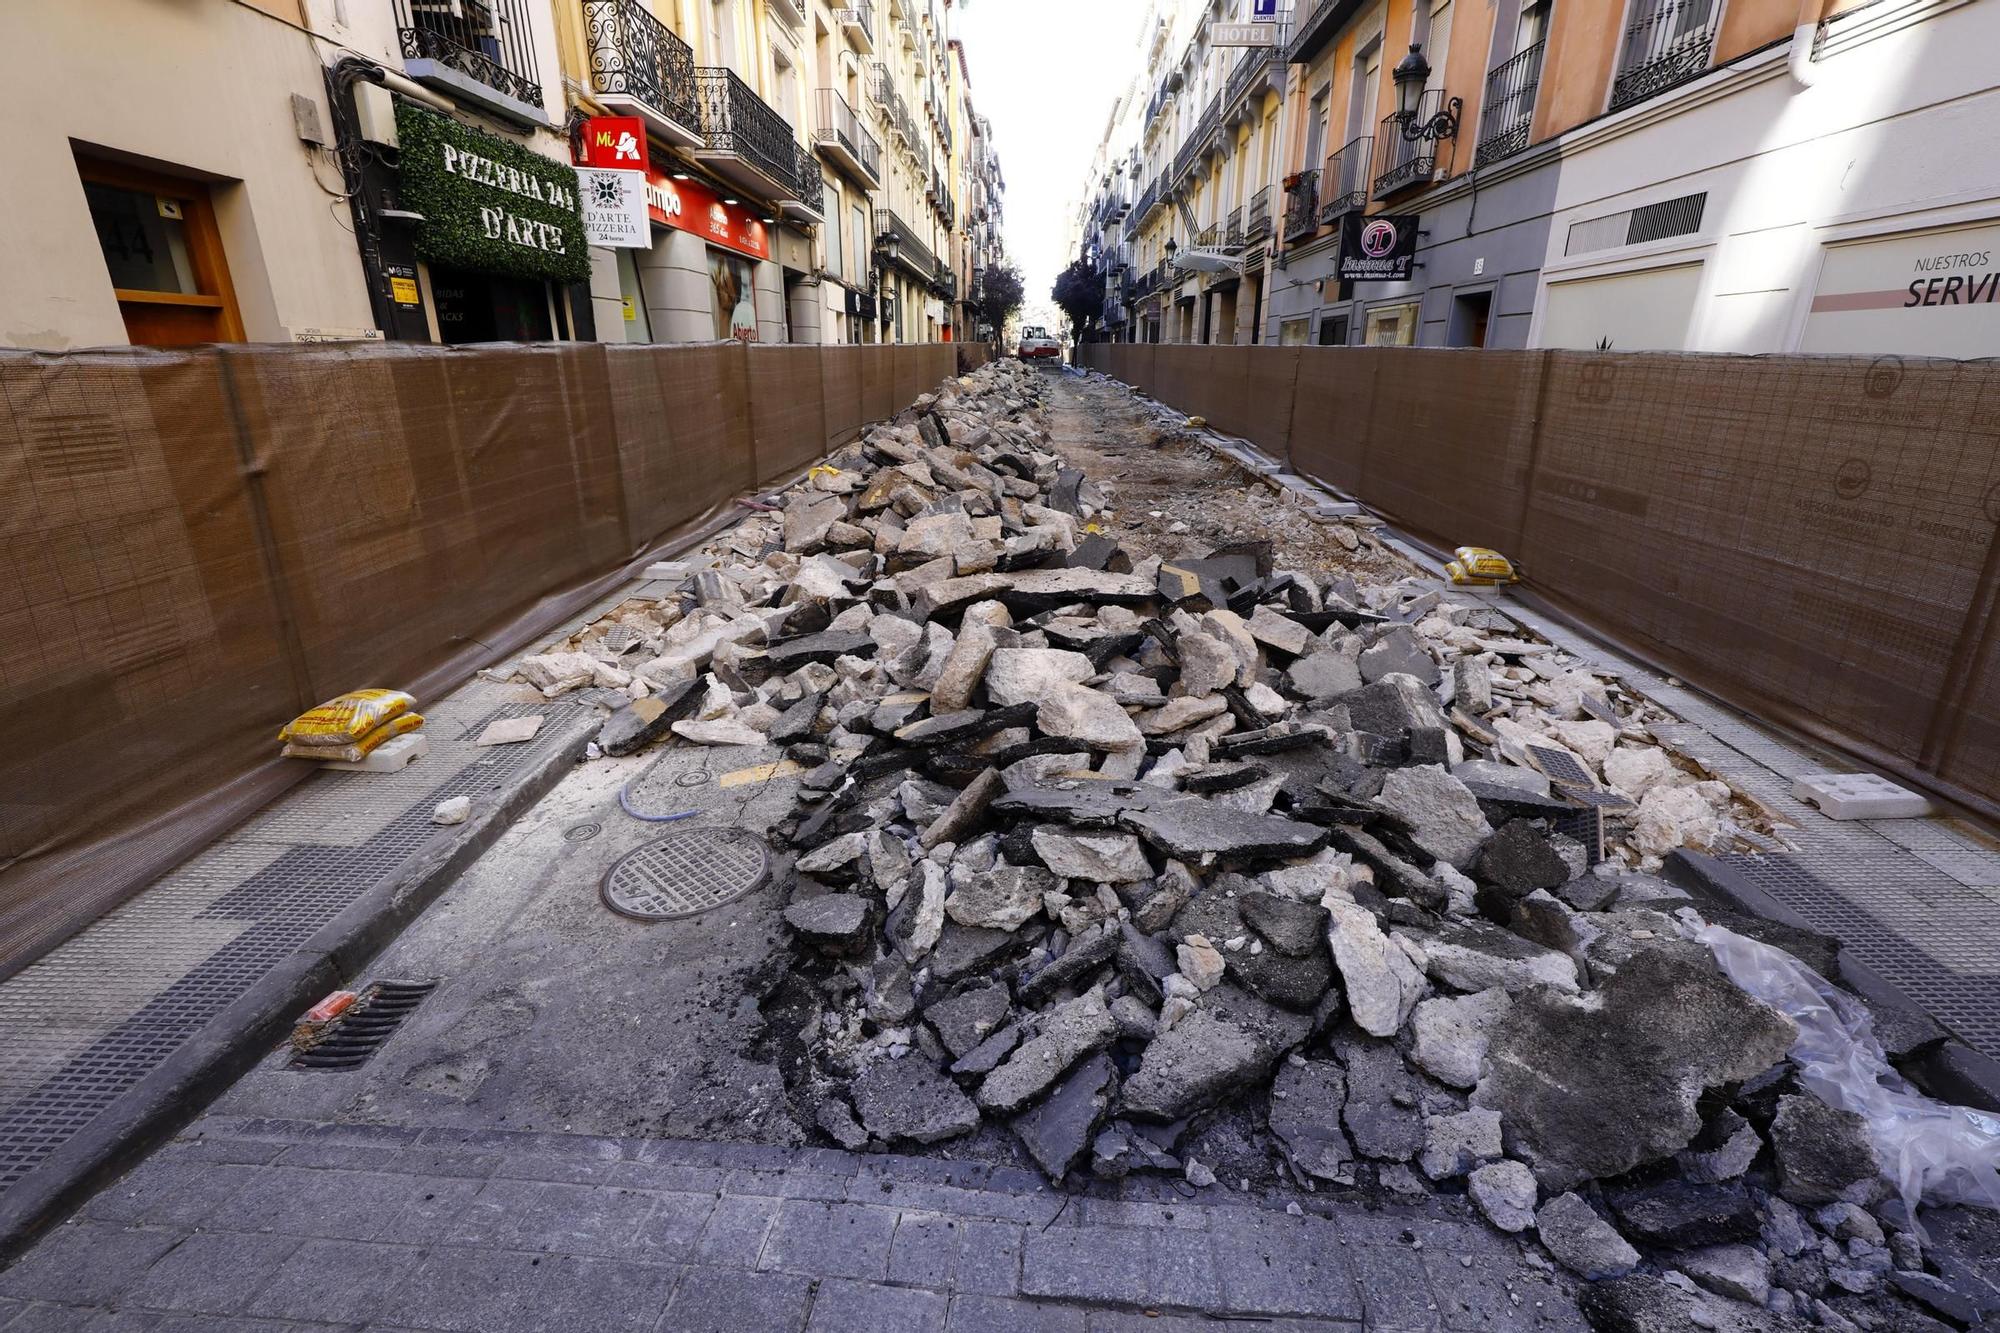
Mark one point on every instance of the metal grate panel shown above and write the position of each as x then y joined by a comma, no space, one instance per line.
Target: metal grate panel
686,873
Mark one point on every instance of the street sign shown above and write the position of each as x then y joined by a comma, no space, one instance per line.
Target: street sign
1244,34
1382,248
1264,11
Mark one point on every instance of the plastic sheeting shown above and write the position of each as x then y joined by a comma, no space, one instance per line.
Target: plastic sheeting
201,543
1813,538
1932,1152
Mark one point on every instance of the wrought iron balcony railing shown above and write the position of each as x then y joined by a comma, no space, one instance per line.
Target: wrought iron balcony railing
1302,206
633,54
1407,162
912,254
1667,42
1258,225
1232,231
791,13
486,41
1250,66
1508,112
842,137
1344,184
734,120
811,194
857,20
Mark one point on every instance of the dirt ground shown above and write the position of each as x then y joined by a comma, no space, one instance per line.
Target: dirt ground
1174,496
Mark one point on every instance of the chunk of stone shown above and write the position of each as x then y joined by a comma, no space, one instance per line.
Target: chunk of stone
1279,631
1324,674
963,950
1306,1101
1172,889
1393,706
1199,961
1455,1144
1520,858
983,1058
1081,1027
809,517
964,1020
1207,664
909,1100
927,924
1180,713
1675,1215
1057,1132
1442,816
1381,982
1086,953
1296,929
1451,1034
1472,686
1100,858
1383,1114
723,731
826,646
1294,982
1398,651
965,811
1077,713
1739,1272
638,724
1596,1086
1505,1192
1476,956
1824,1154
1003,898
1028,675
1724,1149
1230,1042
1189,828
838,1123
835,922
1583,1242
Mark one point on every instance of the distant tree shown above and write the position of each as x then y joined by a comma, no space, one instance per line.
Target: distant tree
1079,290
1002,295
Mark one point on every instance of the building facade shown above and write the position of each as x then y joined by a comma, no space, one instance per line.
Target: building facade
1715,175
781,171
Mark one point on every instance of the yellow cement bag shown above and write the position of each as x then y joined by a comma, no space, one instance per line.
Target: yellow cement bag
1481,566
359,750
345,720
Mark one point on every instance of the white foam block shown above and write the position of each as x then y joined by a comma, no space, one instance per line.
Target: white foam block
392,755
1859,796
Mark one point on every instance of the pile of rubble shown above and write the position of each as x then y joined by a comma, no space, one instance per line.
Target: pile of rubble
1092,851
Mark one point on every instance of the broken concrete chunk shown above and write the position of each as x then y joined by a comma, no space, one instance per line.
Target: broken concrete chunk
1442,816
1232,1040
1824,1153
1451,1034
1382,984
1505,1192
1382,1114
909,1100
1593,1087
1028,675
1583,1242
1057,1132
1477,956
1073,1030
1003,898
1307,1097
1100,858
836,922
1398,651
1455,1144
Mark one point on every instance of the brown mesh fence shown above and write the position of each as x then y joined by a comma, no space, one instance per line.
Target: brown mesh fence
1810,537
201,543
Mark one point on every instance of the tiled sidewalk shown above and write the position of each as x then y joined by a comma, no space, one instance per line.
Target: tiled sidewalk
289,1224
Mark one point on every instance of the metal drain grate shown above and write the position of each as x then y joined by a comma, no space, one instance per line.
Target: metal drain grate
686,873
361,1031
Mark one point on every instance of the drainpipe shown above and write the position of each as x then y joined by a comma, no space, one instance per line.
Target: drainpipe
1800,62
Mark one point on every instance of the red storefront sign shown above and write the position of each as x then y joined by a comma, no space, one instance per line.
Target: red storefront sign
692,207
613,141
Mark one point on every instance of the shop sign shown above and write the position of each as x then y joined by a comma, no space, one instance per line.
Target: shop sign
1927,293
692,207
616,142
489,206
1261,33
1382,248
403,286
614,208
1264,11
886,307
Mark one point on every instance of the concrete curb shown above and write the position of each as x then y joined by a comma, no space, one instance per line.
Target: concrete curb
1953,1072
229,1044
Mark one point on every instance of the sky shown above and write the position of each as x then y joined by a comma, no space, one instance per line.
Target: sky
1046,73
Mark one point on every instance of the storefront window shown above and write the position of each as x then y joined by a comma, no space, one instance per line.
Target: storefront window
143,238
638,325
1292,333
1393,326
489,307
733,301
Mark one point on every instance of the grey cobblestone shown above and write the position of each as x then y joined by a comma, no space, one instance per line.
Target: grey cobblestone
296,1227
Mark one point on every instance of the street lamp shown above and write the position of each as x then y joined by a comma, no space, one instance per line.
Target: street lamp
1411,75
1171,249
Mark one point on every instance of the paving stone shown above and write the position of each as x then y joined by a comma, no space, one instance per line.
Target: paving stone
478,1291
830,1240
995,1314
842,1307
335,1281
712,1300
735,1231
86,1262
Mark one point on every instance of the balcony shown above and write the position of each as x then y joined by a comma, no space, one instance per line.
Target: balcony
638,66
895,112
912,255
947,286
746,141
1508,112
791,13
1667,42
1149,199
845,141
1405,162
478,51
809,203
1319,27
1258,70
1345,180
1232,230
1302,207
857,23
1257,225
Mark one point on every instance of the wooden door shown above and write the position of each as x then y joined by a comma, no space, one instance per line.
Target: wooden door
163,253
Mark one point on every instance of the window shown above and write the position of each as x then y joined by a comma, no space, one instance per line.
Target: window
1393,326
833,232
1316,129
1534,24
1436,39
163,255
1333,331
1292,332
860,259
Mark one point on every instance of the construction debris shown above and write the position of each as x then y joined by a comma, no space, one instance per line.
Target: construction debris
1098,852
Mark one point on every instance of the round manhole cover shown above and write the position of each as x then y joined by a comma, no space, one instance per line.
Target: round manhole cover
685,873
583,832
